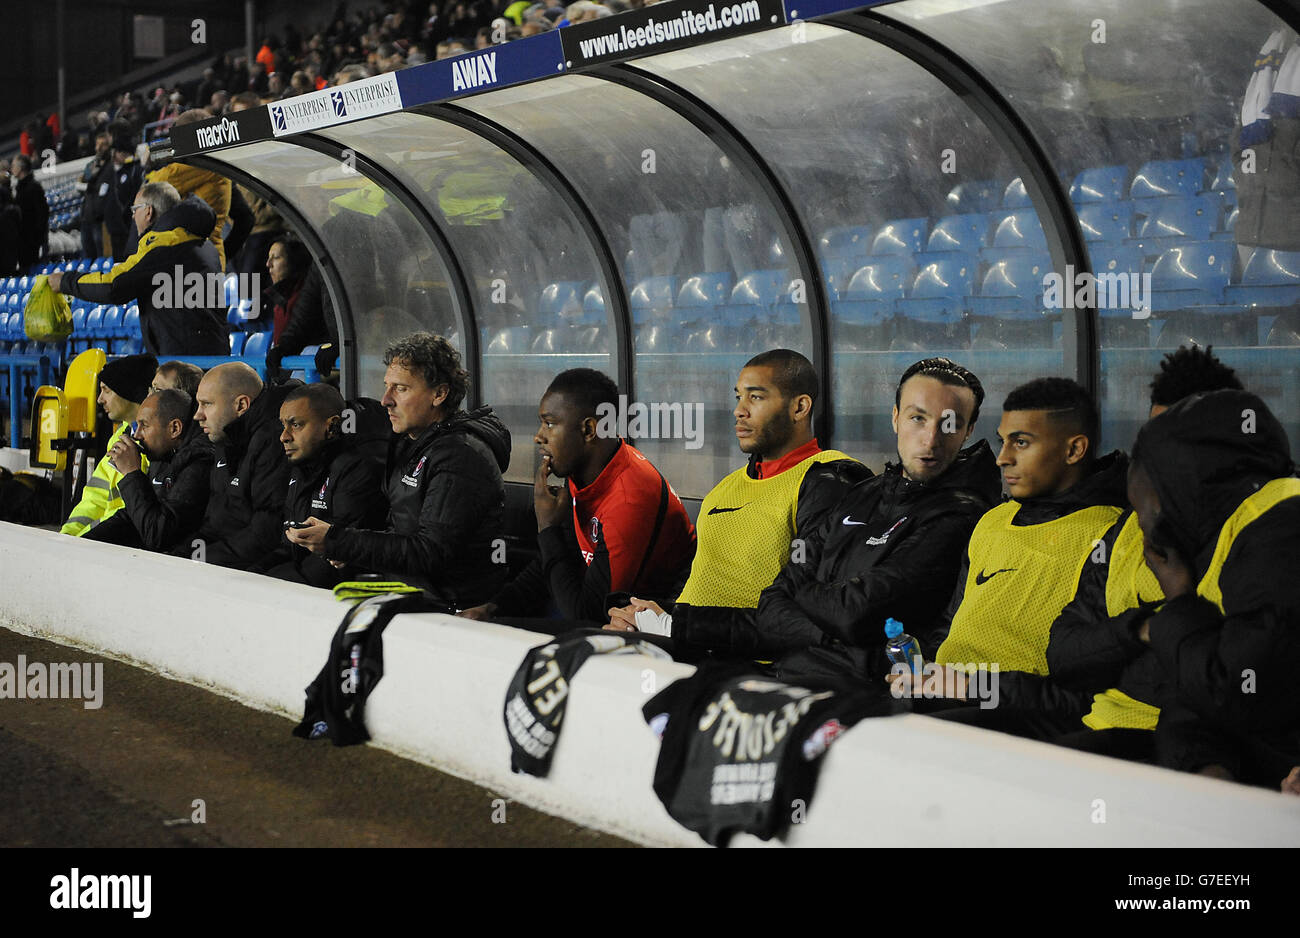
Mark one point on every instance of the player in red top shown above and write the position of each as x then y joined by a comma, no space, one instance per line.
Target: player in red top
614,526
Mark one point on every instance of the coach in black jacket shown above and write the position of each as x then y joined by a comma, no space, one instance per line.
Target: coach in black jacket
445,492
174,275
242,523
330,478
169,502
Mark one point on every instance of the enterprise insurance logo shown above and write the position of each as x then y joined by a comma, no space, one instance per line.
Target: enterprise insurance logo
356,99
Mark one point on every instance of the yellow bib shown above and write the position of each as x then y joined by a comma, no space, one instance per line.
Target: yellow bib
1019,580
743,535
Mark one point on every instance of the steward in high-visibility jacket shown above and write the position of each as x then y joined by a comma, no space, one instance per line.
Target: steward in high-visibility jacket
123,386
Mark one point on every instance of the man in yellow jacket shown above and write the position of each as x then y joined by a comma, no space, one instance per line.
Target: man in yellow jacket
123,386
207,185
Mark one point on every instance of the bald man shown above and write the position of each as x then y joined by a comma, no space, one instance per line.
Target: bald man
249,471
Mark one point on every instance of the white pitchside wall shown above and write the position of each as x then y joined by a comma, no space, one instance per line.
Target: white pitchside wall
902,781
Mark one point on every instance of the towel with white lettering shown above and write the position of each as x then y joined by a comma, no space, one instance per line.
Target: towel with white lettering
740,751
539,691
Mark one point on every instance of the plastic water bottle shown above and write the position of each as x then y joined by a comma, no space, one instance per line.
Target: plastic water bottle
901,647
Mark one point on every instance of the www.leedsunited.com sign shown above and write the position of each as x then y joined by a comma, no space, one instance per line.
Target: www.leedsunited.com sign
665,26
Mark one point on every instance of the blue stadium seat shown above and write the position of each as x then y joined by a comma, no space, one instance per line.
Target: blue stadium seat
1177,220
704,291
1113,259
974,197
593,304
1271,280
94,322
1191,275
651,295
870,297
846,241
131,323
938,293
256,345
77,341
237,340
902,236
1015,195
1013,287
965,233
1106,221
563,298
1101,184
1160,178
836,272
1020,230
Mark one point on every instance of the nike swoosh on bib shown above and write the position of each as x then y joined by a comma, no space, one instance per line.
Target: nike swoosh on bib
981,578
717,511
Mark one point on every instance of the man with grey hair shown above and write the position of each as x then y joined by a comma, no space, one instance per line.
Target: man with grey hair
445,493
174,275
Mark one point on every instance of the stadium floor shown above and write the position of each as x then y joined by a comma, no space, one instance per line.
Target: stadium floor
127,774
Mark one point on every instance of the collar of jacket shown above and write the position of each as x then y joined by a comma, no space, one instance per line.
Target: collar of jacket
481,422
193,438
974,470
264,410
193,215
1106,484
330,450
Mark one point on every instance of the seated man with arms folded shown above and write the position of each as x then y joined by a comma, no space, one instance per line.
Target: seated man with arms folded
893,546
329,478
750,520
614,526
1022,564
123,385
169,502
242,523
446,496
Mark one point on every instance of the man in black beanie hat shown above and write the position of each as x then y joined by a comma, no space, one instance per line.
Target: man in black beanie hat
123,385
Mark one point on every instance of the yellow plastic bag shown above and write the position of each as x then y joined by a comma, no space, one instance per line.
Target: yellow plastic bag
47,316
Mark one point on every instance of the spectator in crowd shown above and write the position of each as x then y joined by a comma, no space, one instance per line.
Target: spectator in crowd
614,526
178,375
311,322
30,199
445,491
250,475
288,264
750,520
98,178
123,385
266,228
167,503
351,73
207,87
330,478
11,232
1023,562
241,224
1213,487
1093,643
211,187
891,548
218,103
125,179
174,241
243,101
